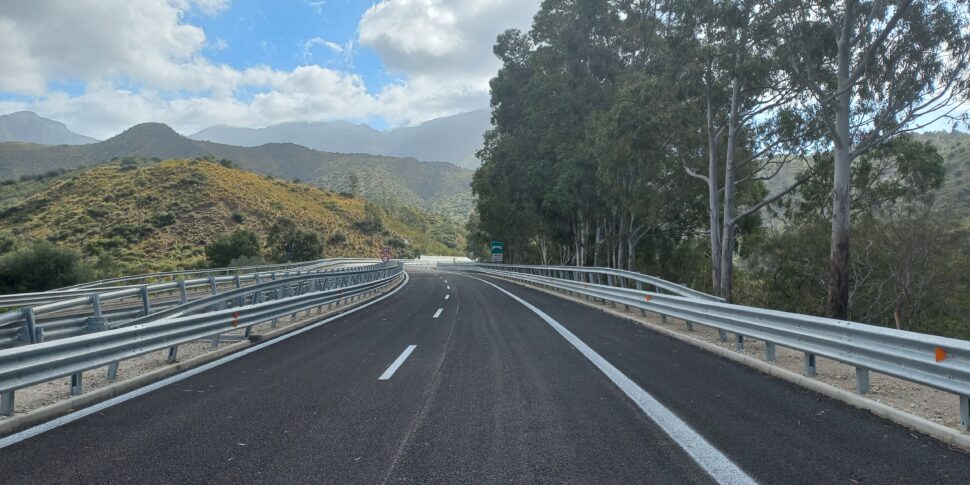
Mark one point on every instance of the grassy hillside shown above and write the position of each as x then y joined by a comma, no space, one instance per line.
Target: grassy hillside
438,187
160,215
955,148
955,193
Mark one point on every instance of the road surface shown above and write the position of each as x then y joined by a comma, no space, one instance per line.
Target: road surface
452,380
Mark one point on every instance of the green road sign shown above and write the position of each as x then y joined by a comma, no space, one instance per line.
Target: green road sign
498,249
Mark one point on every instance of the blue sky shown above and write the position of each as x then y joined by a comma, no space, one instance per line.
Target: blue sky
276,35
197,63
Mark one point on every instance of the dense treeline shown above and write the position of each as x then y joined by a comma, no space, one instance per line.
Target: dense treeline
646,134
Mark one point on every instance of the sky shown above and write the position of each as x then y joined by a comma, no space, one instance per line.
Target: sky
101,66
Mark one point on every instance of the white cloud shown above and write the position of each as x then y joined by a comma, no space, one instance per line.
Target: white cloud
443,50
140,61
442,36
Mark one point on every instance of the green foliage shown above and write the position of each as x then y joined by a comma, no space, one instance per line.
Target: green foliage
241,243
41,267
162,219
288,242
373,220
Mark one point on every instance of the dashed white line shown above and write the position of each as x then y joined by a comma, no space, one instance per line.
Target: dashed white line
438,313
715,463
76,415
397,363
448,288
447,296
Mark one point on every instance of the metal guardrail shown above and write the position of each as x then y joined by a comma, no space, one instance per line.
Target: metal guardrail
52,320
231,311
607,276
40,298
938,362
227,271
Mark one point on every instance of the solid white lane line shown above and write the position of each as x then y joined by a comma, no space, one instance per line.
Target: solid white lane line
397,363
76,415
718,466
438,313
447,296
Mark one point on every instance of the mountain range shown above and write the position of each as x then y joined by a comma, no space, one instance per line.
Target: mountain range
453,139
26,126
433,186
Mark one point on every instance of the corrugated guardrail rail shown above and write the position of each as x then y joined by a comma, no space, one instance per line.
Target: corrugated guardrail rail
221,275
938,362
66,313
240,308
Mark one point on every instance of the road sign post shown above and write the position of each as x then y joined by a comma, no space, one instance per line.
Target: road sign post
498,251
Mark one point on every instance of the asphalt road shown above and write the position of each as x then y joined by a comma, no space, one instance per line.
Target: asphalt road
490,392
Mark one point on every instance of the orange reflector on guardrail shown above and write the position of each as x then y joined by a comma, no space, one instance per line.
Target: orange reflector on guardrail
940,354
235,319
647,297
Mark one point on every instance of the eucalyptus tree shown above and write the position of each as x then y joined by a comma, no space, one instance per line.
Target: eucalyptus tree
750,122
870,70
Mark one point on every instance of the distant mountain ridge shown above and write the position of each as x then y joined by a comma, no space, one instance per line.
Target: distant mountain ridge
438,187
453,139
26,126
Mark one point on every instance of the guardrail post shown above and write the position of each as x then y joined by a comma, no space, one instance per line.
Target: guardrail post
96,322
113,370
145,304
183,294
861,380
34,335
964,413
722,335
6,403
690,325
242,299
173,353
77,380
810,364
740,346
769,351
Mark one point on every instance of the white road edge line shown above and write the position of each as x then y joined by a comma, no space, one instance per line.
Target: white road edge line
447,296
718,466
76,415
397,363
438,313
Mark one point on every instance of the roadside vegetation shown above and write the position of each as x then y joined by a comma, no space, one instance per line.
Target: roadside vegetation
137,215
721,145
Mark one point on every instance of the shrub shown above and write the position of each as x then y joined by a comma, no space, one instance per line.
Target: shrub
373,219
42,267
337,238
289,242
229,247
238,218
129,163
247,261
162,219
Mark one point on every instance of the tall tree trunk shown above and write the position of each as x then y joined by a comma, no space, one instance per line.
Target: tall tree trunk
730,176
838,284
596,245
712,192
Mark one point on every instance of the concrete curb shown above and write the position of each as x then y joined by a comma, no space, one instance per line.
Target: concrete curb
45,413
950,436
